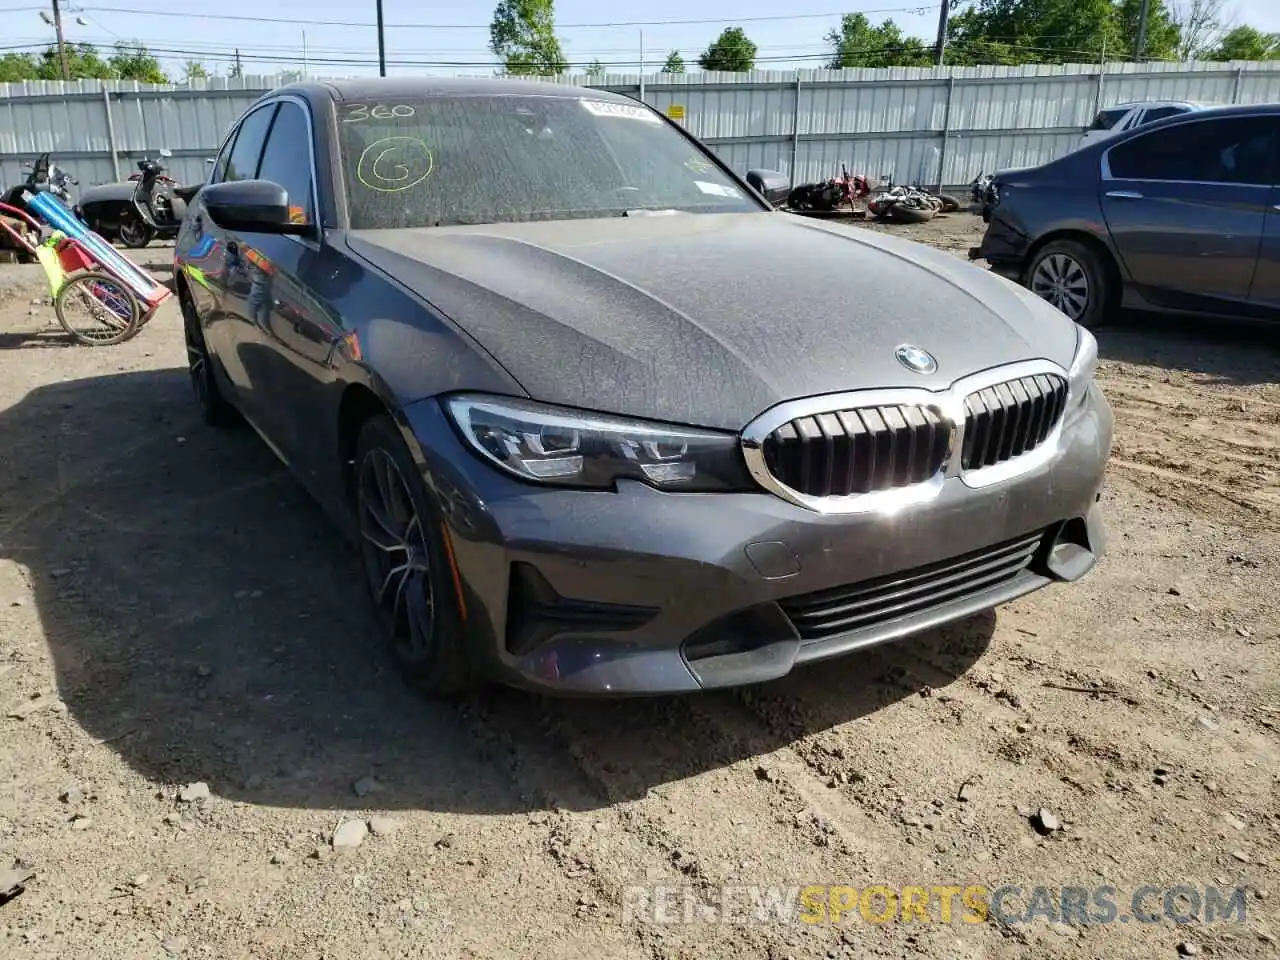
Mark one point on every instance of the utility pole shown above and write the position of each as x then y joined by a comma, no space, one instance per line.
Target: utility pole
1140,44
382,45
62,44
940,49
239,68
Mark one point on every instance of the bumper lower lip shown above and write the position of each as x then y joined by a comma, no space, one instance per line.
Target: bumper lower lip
638,592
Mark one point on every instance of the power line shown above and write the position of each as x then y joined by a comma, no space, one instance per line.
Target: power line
917,10
230,55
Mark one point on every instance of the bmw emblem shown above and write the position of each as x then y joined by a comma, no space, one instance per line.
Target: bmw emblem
916,359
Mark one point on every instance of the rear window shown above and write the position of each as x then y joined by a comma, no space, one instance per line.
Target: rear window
1159,113
1106,119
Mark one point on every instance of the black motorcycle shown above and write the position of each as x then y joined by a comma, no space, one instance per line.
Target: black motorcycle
44,177
150,207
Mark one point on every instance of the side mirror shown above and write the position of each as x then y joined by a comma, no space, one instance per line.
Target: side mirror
252,206
773,186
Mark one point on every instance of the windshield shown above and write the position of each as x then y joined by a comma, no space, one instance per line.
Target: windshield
464,160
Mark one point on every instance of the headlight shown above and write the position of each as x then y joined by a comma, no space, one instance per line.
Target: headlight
1083,367
559,446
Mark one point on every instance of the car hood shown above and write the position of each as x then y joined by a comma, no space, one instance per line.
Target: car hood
711,319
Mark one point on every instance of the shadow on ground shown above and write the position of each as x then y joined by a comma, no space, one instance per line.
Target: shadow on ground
1224,351
207,624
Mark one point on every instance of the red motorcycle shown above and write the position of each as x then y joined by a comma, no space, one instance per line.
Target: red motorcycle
830,195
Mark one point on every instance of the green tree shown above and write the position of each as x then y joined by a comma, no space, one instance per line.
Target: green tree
1247,43
16,67
132,61
674,64
83,63
595,68
194,70
523,36
859,44
1164,37
731,52
1058,31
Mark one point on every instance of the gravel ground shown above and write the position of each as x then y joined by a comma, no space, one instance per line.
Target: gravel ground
193,712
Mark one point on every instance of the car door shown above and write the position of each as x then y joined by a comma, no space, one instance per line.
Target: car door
232,337
1185,205
1265,292
298,326
201,255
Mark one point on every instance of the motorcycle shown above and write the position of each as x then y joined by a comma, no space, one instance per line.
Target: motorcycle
44,177
909,204
149,206
830,195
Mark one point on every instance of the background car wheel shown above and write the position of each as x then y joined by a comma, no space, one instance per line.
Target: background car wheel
406,564
1071,276
214,408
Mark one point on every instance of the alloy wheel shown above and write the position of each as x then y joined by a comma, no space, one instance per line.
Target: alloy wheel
396,555
1062,281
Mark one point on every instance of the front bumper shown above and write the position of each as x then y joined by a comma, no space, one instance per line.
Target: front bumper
643,592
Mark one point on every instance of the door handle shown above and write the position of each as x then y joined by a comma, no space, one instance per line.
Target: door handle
1124,194
1276,207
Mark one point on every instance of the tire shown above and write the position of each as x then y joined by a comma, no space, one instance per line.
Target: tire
901,213
135,234
214,408
1067,273
114,306
949,203
429,643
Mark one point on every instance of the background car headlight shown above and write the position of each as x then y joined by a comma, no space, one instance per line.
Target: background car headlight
1083,367
559,446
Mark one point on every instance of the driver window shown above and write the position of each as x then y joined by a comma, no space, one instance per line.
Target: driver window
243,161
287,160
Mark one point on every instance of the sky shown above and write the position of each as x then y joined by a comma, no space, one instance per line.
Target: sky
451,36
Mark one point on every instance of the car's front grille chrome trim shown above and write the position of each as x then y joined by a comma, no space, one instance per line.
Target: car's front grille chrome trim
877,451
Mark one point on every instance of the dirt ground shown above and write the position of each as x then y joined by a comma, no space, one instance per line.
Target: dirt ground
192,703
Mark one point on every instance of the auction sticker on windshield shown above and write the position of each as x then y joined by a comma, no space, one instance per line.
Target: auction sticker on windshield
716,189
602,109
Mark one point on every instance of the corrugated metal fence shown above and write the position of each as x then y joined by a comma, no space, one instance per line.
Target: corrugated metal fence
918,124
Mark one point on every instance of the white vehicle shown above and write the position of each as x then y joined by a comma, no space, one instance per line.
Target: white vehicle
1126,116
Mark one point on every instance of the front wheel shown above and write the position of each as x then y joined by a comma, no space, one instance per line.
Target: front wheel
950,204
135,234
901,213
1072,277
214,408
407,563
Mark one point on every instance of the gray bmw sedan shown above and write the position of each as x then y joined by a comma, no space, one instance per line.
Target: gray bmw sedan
597,416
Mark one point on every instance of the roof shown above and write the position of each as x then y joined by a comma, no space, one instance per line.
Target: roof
366,88
1130,104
